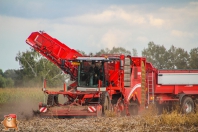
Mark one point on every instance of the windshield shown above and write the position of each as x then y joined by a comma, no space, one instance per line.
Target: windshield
89,73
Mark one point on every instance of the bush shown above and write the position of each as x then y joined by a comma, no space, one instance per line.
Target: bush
9,83
2,82
6,82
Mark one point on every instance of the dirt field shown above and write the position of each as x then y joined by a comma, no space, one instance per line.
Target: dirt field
145,122
22,102
103,124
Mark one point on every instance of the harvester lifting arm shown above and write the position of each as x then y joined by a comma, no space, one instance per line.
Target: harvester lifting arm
55,51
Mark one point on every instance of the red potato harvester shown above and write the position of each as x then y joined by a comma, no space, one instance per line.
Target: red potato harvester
116,82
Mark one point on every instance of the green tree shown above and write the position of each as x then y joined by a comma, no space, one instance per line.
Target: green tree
9,82
28,62
103,51
178,58
18,81
156,54
49,71
82,52
170,64
10,73
174,58
2,82
193,61
5,81
134,52
114,50
35,68
181,59
120,50
1,72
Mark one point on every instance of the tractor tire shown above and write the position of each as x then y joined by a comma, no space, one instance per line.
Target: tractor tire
105,102
133,109
56,99
188,105
50,100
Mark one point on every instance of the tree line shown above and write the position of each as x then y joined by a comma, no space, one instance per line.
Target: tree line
172,58
34,68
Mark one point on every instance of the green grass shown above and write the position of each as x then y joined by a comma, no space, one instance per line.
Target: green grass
16,94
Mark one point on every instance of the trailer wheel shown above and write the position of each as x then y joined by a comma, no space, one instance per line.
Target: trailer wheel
160,108
187,105
105,102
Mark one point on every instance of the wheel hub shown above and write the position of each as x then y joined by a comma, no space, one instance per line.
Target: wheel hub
188,108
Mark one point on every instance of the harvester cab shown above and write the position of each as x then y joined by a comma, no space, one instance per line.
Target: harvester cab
91,73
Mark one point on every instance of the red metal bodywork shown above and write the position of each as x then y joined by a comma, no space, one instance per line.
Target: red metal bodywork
76,108
55,51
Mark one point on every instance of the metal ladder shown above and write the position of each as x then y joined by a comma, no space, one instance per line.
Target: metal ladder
150,87
127,72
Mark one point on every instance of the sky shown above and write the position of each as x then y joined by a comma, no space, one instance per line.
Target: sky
92,25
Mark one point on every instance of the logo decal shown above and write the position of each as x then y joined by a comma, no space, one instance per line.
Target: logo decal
10,122
133,89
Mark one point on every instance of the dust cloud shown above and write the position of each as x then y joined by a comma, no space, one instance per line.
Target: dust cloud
23,109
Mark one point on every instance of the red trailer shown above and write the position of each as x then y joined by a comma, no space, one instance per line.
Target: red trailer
118,82
167,87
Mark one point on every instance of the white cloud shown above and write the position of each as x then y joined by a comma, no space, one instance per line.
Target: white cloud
13,33
156,21
112,15
181,34
109,40
180,15
112,38
126,25
194,3
143,39
15,25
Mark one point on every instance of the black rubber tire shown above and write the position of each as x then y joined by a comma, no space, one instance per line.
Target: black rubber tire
160,108
133,109
56,99
105,102
50,100
187,105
